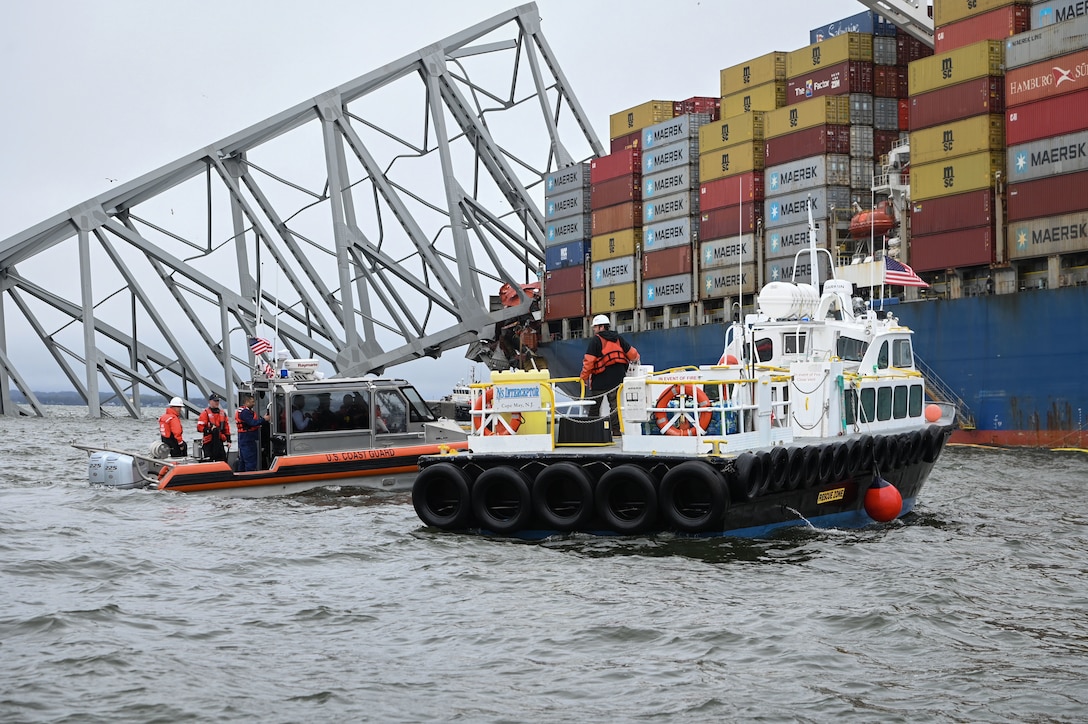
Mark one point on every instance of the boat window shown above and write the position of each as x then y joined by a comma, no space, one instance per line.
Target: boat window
302,407
868,405
279,415
899,405
851,350
793,343
353,412
850,406
764,349
901,353
884,403
391,407
882,358
915,405
417,406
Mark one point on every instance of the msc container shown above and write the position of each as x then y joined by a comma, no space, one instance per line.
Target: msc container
830,52
571,203
807,173
958,138
569,279
1048,157
669,181
955,175
765,69
793,208
614,218
684,153
886,114
787,241
717,283
1045,118
949,11
973,98
1047,236
619,190
674,232
950,213
996,24
730,221
764,97
618,298
684,203
564,306
829,110
631,139
621,163
666,262
978,60
727,252
567,179
1050,196
1049,42
1047,79
730,131
731,191
849,77
809,142
731,160
861,141
625,242
638,117
675,289
1051,12
612,271
680,128
889,81
560,256
966,247
574,228
884,50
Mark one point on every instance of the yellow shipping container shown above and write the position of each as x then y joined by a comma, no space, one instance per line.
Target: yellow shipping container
960,138
955,175
826,53
755,72
616,298
637,118
956,66
764,97
729,131
834,110
731,160
949,11
615,245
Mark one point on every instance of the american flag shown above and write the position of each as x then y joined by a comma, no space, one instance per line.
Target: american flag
898,273
269,372
259,345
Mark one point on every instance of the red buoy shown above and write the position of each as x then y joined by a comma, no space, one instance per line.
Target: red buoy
883,501
933,413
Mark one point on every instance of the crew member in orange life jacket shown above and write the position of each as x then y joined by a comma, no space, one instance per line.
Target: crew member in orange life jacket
604,366
214,425
170,431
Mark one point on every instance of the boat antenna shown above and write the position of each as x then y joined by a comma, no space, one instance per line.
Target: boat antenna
740,246
814,261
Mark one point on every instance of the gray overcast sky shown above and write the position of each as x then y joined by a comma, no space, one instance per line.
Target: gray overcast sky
113,89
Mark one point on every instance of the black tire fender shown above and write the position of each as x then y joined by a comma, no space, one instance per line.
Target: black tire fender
747,481
812,465
778,471
563,497
795,477
440,495
840,462
501,500
693,497
626,499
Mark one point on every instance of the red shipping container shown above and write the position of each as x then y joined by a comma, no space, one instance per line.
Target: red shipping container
966,247
889,81
904,114
971,98
631,139
731,221
621,163
614,218
731,190
817,141
561,281
852,76
1050,78
667,262
564,306
614,191
1046,118
884,141
1049,196
699,104
951,213
994,25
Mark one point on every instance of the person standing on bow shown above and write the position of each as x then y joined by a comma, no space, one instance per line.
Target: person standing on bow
249,433
170,431
605,365
214,425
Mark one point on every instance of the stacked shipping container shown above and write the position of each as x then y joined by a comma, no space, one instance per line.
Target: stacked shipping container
567,219
616,201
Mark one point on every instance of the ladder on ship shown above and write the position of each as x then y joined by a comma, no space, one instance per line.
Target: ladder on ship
910,16
938,391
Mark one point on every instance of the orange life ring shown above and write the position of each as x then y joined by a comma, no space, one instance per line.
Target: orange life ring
683,426
483,401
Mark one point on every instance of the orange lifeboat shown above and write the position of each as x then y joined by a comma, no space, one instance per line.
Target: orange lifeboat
876,223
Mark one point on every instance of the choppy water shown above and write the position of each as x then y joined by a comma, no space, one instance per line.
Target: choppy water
142,606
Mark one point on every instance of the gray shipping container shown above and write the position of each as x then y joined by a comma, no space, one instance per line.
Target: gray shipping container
1051,12
571,203
683,153
613,271
723,282
861,109
1052,235
861,142
684,203
719,253
861,173
670,181
885,50
567,179
793,209
667,290
781,270
788,240
574,228
673,130
1047,42
886,114
1048,157
829,170
666,234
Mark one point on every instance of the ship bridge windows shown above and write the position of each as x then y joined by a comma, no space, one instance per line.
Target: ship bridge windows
902,355
883,402
851,350
794,342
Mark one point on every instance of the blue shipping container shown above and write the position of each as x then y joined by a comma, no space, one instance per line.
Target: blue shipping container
561,256
864,22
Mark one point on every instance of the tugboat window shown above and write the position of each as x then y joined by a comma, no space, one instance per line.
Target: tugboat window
793,343
899,406
901,353
884,403
916,400
850,405
868,405
851,350
764,349
882,358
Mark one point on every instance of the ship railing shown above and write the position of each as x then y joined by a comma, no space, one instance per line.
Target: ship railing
937,390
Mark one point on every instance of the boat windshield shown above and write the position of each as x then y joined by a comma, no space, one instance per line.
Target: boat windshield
418,411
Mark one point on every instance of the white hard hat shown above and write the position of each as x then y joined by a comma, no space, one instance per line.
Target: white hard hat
176,402
601,319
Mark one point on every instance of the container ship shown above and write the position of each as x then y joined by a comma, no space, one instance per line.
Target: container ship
950,183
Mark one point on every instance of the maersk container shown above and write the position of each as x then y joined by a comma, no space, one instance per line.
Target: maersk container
889,81
619,190
567,279
884,50
562,231
786,270
1046,118
828,110
817,141
787,241
828,53
571,203
674,155
567,179
977,60
663,208
564,306
614,218
886,114
733,190
849,77
612,271
625,242
616,298
730,221
973,98
958,138
674,232
639,117
1051,235
680,128
669,181
727,281
731,160
730,131
951,213
947,250
769,68
1049,42
996,24
561,256
793,208
675,289
727,252
632,139
955,175
621,163
765,97
861,141
1047,79
1045,14
666,262
1048,157
807,173
949,11
1050,196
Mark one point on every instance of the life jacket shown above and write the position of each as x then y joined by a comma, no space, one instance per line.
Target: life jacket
170,426
242,426
218,418
611,354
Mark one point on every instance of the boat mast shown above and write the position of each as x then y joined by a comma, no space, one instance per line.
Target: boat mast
812,251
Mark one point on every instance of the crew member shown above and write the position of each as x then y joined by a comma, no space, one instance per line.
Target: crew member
214,425
170,431
249,433
605,365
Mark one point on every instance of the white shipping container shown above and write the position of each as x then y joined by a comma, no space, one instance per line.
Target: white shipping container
684,203
1048,157
667,290
567,179
1053,12
613,271
727,252
682,153
571,203
807,173
675,129
793,208
788,240
666,234
670,181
